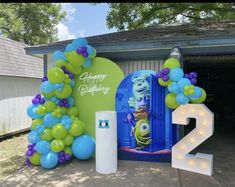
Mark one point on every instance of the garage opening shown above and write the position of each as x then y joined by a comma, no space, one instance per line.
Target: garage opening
216,74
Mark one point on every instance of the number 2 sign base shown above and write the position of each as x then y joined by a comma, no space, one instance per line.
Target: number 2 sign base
181,159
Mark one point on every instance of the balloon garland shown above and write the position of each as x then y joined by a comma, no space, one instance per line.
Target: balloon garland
182,87
56,131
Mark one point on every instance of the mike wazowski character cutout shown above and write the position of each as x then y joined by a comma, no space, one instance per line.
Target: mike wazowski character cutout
141,102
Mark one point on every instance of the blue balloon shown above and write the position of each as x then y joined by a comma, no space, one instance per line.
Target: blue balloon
40,129
176,74
49,120
197,93
47,87
182,83
173,87
33,137
49,160
43,147
80,42
87,63
58,55
56,100
31,111
90,51
66,121
182,99
71,101
70,47
83,147
72,83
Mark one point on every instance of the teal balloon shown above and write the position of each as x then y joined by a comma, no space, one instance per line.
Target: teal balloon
182,99
47,87
72,83
182,83
176,74
71,101
31,111
83,147
174,88
197,93
70,47
43,147
90,51
66,121
87,63
49,160
33,137
80,42
58,55
49,121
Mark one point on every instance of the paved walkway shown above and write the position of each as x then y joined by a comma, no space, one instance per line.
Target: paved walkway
132,173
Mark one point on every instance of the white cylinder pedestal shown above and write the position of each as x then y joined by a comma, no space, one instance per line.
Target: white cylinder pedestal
106,142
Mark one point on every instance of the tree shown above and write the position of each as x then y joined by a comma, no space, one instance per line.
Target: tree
31,23
124,16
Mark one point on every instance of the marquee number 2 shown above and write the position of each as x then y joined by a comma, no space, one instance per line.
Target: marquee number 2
199,163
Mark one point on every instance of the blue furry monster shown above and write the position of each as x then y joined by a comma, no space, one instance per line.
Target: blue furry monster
141,93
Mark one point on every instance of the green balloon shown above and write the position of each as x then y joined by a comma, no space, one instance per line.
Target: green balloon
77,128
48,95
170,101
57,145
50,106
36,122
68,140
66,92
59,131
73,111
56,75
201,99
163,83
68,150
63,110
171,63
47,135
75,59
35,159
60,63
73,69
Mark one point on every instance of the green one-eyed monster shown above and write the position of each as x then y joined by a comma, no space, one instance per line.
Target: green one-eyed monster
142,133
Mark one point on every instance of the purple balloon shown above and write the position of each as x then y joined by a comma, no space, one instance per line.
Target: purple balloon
66,105
67,157
85,54
166,71
165,78
193,81
71,76
42,101
38,96
158,75
29,153
35,101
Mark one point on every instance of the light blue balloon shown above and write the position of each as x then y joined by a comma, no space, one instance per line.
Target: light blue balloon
87,63
58,55
72,83
90,51
33,137
197,93
43,147
31,111
70,47
47,87
80,42
40,129
49,160
182,83
55,99
66,121
173,87
71,101
49,121
176,74
182,99
83,147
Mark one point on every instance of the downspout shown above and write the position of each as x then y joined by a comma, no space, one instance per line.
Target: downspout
45,65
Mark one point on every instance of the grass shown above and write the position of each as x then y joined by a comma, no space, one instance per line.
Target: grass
12,155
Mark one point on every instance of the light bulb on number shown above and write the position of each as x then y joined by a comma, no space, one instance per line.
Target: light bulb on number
201,131
191,162
192,140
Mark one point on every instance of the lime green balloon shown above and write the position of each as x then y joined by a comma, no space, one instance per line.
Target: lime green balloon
75,59
36,122
41,110
66,92
201,99
73,111
59,131
57,145
50,106
170,101
68,140
77,128
35,159
68,150
63,110
48,95
73,69
60,63
163,83
171,63
47,135
55,75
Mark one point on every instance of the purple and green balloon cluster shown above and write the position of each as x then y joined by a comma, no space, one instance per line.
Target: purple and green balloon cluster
56,131
181,87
